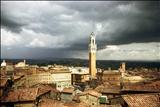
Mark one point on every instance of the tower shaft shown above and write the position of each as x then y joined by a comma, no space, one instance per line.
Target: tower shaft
92,64
92,56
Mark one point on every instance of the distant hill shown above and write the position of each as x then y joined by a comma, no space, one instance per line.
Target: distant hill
104,64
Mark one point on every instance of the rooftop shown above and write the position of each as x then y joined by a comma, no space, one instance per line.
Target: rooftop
74,104
116,105
50,103
112,72
21,95
93,93
107,88
3,82
142,100
27,94
152,86
68,90
54,103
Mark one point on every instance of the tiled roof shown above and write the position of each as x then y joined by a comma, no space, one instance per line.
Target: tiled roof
42,91
74,104
142,100
116,105
27,94
21,95
3,82
153,86
115,91
50,103
68,90
54,103
108,89
93,93
1,92
16,77
88,92
45,88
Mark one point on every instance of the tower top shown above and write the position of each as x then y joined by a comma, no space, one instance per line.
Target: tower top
92,43
92,34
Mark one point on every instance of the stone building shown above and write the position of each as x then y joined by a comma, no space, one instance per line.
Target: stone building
3,64
62,79
67,94
90,97
112,77
21,64
80,77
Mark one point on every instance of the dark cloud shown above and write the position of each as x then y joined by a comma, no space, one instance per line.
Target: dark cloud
40,53
138,27
10,24
72,22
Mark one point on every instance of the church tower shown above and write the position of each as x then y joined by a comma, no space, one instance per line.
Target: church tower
92,56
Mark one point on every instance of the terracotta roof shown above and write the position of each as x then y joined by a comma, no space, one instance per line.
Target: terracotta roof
99,88
54,103
74,104
142,100
153,86
1,92
3,82
108,89
111,90
49,103
21,95
70,104
42,91
68,90
27,94
116,105
45,88
88,92
93,93
16,77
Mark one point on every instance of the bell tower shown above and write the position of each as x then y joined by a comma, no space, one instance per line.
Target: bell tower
92,56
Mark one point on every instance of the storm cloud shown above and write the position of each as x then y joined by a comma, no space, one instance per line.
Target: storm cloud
64,27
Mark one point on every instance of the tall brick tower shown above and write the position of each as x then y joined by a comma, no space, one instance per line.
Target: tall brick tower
92,56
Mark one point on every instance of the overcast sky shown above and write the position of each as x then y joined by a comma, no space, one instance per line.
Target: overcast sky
124,30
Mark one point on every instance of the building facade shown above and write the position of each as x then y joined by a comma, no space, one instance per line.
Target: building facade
61,79
3,64
21,64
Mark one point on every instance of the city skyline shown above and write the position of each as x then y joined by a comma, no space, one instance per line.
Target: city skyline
124,30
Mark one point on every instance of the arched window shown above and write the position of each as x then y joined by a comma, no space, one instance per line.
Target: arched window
92,41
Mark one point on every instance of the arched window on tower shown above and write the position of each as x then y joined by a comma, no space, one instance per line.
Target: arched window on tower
92,41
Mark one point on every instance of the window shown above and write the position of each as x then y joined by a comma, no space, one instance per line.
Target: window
92,41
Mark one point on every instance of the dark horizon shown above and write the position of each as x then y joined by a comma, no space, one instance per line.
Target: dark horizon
103,64
56,58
